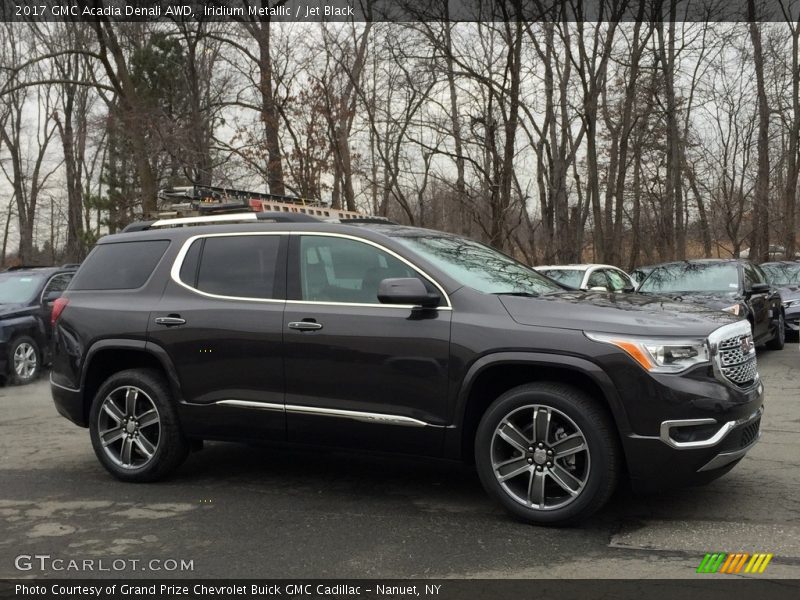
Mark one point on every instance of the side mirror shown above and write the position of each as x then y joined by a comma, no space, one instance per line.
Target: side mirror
629,289
406,290
51,297
760,288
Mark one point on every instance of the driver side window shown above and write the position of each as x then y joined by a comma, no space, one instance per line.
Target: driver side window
334,269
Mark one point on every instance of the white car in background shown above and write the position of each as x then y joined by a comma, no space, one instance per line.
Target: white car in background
601,278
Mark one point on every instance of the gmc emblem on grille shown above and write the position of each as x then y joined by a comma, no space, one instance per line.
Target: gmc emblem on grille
746,344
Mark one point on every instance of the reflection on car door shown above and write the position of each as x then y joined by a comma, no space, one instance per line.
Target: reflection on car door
379,370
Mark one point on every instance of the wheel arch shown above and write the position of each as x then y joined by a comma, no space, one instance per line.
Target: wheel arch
107,357
492,375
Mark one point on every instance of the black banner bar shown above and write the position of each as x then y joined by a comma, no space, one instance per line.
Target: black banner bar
703,587
393,10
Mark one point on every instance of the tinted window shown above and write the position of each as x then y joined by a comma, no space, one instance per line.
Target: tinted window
119,266
693,277
190,263
340,270
478,266
244,266
751,276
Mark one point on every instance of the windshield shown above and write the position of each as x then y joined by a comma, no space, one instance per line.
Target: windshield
478,266
783,274
18,288
693,278
570,277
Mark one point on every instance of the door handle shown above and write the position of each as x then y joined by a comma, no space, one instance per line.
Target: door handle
170,321
305,325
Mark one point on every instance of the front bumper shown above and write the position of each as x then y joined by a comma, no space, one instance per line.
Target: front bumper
674,458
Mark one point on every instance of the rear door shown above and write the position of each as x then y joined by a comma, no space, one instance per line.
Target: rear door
220,320
358,372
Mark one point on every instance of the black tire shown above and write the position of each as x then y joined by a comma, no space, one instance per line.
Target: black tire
599,464
170,446
779,338
22,373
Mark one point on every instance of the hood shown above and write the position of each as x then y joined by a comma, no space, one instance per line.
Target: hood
711,300
632,314
789,292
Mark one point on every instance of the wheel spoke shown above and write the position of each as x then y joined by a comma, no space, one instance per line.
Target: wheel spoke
511,468
541,424
148,418
569,445
111,435
536,483
510,434
130,401
125,453
145,446
112,410
566,480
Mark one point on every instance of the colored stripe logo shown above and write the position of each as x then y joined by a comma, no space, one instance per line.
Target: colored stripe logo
739,562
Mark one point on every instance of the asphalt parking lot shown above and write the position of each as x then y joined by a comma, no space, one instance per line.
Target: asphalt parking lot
244,511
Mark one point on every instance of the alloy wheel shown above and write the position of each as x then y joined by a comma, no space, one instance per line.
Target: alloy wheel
540,457
129,427
25,361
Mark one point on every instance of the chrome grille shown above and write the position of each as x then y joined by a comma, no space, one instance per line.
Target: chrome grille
737,359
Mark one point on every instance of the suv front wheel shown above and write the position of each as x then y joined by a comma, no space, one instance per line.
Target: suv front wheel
548,453
134,427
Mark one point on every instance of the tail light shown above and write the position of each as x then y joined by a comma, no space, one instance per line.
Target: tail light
58,307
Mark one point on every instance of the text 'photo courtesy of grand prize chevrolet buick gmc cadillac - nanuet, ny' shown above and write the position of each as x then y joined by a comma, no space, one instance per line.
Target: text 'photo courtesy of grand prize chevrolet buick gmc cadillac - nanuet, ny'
381,336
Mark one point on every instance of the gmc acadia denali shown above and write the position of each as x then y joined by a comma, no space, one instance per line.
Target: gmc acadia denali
388,337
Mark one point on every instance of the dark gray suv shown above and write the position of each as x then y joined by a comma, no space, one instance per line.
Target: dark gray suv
379,336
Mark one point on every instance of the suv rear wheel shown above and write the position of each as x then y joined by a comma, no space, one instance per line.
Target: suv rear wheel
547,453
134,427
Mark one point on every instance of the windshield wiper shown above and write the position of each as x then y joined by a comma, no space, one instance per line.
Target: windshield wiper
522,294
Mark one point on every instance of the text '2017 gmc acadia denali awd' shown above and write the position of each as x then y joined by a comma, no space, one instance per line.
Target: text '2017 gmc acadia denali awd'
395,338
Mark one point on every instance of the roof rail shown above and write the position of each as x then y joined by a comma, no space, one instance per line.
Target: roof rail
70,265
241,217
25,267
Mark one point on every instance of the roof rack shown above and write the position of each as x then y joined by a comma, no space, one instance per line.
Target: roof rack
369,219
241,217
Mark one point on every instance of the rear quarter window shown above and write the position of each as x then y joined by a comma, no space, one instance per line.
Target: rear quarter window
119,266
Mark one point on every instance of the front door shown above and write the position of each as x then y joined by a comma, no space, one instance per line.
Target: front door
359,372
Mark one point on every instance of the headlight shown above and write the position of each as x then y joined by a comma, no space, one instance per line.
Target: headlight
658,355
790,303
736,309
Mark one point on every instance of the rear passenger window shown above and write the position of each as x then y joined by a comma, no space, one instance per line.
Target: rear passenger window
242,266
119,266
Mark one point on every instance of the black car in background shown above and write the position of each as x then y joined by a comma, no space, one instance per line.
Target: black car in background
385,337
26,300
785,276
736,286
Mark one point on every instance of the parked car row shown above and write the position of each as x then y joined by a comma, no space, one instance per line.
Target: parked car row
767,296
